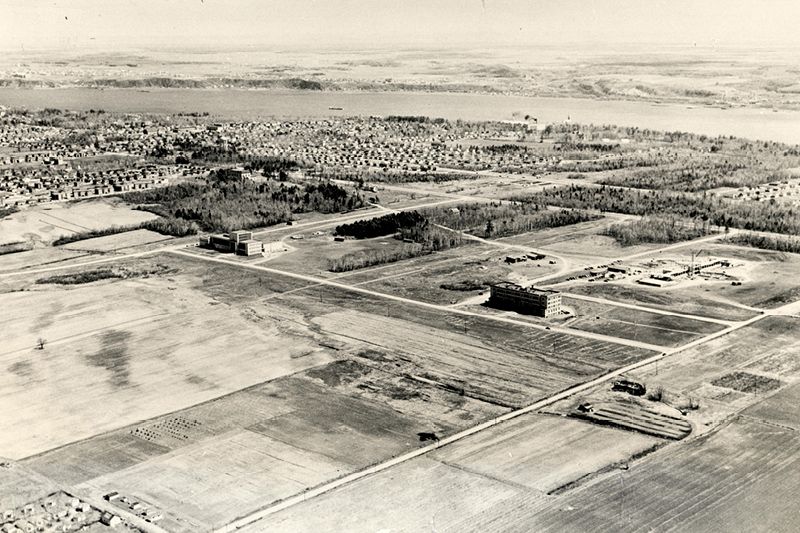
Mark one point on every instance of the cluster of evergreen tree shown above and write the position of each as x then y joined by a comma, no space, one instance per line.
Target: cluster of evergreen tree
177,227
271,166
395,176
91,234
368,258
217,205
660,229
696,177
414,118
600,165
499,219
766,242
427,238
502,148
431,236
759,216
379,226
588,147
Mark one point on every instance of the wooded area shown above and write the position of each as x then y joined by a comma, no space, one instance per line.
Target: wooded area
218,205
660,229
760,216
380,226
501,219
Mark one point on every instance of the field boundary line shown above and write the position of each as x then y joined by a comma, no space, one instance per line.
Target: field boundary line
646,309
437,307
327,487
490,477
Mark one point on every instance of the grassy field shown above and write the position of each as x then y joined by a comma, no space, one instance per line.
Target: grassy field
39,258
582,243
436,278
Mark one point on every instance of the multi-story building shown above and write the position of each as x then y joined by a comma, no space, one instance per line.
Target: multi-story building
238,242
529,300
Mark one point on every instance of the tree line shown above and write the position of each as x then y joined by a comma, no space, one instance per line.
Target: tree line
362,177
422,238
766,242
697,178
380,226
218,205
660,229
501,219
759,216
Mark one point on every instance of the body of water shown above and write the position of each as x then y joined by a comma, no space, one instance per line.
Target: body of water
762,124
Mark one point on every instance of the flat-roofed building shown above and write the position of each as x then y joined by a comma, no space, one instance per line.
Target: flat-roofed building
241,235
529,300
238,242
249,247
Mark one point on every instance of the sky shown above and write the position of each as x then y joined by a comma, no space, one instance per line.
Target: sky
120,25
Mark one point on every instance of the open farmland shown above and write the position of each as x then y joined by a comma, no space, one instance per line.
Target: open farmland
512,375
690,300
780,408
636,324
262,444
700,485
348,372
545,453
703,485
47,223
122,344
117,242
39,258
767,346
376,504
20,485
509,467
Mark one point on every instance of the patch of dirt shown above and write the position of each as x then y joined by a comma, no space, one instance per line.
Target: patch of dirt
746,382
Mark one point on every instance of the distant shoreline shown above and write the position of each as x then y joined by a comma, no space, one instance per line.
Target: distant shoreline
252,104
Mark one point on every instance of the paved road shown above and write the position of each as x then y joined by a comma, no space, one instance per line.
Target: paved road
444,308
99,261
327,487
645,308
